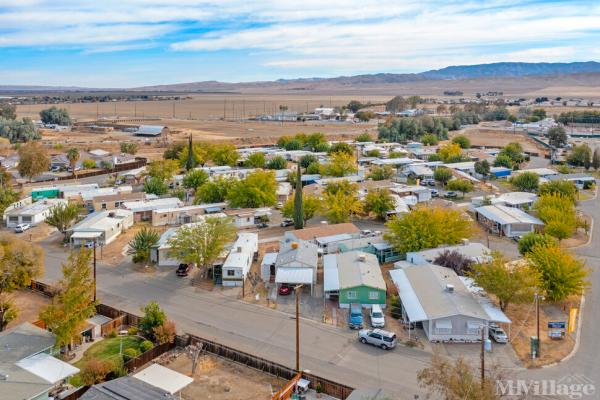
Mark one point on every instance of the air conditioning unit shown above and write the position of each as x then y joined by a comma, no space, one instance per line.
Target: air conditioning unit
450,288
362,257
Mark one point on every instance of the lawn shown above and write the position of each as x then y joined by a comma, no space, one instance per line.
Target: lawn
109,348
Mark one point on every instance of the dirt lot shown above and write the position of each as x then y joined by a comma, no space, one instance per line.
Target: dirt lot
29,305
115,252
219,379
482,136
524,326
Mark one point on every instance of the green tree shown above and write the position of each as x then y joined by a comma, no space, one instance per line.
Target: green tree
190,160
442,175
129,147
202,243
314,168
142,243
33,160
580,155
364,137
20,262
354,105
563,275
74,303
153,317
398,103
374,153
7,194
62,216
88,164
596,159
174,150
19,130
450,153
277,162
195,178
379,202
514,284
514,151
340,164
154,185
461,185
257,189
224,154
8,111
364,116
564,188
298,213
311,206
55,115
427,227
558,213
73,157
429,139
256,160
462,141
199,154
503,160
527,242
213,191
526,181
163,169
307,160
314,141
482,168
557,137
341,147
381,173
340,206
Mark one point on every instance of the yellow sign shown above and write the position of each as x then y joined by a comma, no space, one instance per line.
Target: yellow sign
572,319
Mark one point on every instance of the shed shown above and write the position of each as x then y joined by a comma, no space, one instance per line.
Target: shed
164,378
267,267
151,130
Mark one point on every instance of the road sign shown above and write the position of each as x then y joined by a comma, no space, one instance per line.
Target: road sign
557,325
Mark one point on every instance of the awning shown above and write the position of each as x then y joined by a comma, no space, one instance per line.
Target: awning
331,279
47,367
410,301
86,235
164,378
294,275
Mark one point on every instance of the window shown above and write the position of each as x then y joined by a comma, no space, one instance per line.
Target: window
351,295
375,336
117,205
230,272
104,206
373,295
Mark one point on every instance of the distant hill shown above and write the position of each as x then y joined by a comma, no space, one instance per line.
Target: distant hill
481,74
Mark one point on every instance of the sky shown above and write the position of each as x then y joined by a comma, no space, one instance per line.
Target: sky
131,43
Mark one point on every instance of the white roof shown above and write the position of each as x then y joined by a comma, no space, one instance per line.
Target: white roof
516,198
37,207
164,378
494,313
507,215
409,298
269,258
99,152
86,235
356,268
331,280
147,205
420,170
47,367
538,171
395,161
294,275
461,165
334,238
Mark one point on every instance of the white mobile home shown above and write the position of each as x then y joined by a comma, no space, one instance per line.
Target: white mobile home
101,227
507,221
31,214
238,262
183,215
436,297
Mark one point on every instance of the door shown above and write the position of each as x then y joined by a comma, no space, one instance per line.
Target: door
218,274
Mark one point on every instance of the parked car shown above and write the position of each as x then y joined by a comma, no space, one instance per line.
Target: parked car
428,182
355,317
279,205
378,337
450,195
262,225
366,233
183,270
498,334
287,222
284,290
22,228
377,317
434,193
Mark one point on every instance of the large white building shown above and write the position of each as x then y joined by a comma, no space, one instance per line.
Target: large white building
101,227
31,214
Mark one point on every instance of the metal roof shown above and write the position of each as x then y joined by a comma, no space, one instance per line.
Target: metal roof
152,130
572,177
333,238
331,280
294,275
356,268
517,198
148,205
37,207
507,215
494,313
474,251
47,367
269,258
126,387
428,297
164,378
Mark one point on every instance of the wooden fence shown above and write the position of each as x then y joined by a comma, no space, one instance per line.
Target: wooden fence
77,393
113,325
138,163
148,356
42,288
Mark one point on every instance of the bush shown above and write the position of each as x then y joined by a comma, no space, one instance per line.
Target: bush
146,345
130,353
94,371
89,164
112,334
395,306
132,331
165,333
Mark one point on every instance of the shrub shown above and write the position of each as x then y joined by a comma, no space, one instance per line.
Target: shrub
395,306
112,334
132,331
94,371
146,345
165,333
130,353
89,164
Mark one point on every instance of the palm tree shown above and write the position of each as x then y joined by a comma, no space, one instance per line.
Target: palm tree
142,243
73,157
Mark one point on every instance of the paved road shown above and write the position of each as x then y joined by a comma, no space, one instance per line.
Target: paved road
329,351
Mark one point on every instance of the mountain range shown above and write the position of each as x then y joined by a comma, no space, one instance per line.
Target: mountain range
494,72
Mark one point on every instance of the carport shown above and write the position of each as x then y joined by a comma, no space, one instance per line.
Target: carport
295,276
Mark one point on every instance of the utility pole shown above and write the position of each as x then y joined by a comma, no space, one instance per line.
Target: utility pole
243,287
224,109
134,110
297,292
94,270
97,111
482,357
173,109
537,315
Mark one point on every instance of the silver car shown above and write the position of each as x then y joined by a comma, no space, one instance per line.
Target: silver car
378,337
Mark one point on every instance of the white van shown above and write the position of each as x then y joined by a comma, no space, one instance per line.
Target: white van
377,317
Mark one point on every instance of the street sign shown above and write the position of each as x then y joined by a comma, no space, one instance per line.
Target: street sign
557,325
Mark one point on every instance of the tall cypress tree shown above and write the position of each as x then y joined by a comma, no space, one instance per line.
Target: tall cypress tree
190,163
298,206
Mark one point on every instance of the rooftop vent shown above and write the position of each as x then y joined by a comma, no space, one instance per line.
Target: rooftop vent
450,288
464,242
362,258
294,245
